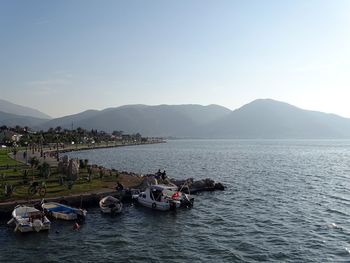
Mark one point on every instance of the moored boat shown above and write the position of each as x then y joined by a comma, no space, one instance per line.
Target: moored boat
163,197
29,219
110,205
65,212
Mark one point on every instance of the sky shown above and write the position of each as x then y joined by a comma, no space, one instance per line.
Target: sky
64,57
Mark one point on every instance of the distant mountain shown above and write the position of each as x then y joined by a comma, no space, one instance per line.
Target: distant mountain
9,107
162,120
260,119
266,118
12,120
67,121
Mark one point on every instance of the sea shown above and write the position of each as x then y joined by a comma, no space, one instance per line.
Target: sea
285,201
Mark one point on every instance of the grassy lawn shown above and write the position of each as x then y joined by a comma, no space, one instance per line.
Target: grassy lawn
5,159
53,188
15,176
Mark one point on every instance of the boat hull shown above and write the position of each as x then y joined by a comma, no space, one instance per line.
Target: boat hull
64,212
161,206
110,205
29,219
25,228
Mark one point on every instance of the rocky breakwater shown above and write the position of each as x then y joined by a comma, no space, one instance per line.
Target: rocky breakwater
191,186
188,186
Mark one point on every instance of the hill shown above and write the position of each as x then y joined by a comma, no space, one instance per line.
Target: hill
12,120
270,119
162,120
9,107
260,119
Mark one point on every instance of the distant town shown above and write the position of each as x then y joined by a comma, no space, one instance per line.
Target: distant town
24,136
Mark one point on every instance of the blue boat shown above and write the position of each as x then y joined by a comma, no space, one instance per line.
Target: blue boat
65,212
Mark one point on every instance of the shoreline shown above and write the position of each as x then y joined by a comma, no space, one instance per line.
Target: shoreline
49,154
130,180
85,148
87,199
91,197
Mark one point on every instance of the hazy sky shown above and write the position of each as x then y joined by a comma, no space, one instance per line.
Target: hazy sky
63,57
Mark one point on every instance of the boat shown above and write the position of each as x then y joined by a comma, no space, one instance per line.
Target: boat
29,219
163,198
110,205
62,211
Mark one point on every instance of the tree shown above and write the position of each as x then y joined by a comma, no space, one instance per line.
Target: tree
18,128
44,170
117,133
138,137
34,162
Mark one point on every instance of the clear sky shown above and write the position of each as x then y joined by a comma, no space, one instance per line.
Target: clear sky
63,57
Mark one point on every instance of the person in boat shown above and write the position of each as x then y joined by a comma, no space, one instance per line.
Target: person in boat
158,174
164,175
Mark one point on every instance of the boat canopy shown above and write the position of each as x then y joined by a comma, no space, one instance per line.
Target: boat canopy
53,207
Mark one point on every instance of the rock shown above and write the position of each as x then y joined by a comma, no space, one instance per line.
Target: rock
147,181
180,183
205,183
198,186
63,165
219,186
73,169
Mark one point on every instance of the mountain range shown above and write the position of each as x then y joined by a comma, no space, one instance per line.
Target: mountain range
12,114
9,107
260,119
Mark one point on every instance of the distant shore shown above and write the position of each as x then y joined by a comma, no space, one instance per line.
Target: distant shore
49,153
103,146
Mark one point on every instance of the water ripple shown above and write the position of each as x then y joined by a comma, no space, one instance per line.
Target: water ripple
286,201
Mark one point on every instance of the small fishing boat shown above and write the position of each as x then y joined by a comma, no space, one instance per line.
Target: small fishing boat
65,212
29,219
110,205
161,197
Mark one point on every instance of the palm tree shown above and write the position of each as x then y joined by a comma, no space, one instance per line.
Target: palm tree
34,162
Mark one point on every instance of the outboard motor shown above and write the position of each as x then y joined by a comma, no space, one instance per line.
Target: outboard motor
37,225
172,206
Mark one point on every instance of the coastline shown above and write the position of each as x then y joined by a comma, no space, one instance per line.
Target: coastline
88,194
130,180
101,146
49,152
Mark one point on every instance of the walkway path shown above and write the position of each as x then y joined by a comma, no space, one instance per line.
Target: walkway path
24,156
49,154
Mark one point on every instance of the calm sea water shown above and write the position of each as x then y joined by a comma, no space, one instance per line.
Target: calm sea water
286,201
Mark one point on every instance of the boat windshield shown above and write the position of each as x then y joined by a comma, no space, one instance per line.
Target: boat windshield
35,215
168,192
156,195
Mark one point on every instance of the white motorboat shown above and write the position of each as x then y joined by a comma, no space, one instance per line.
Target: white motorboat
29,219
160,197
65,212
110,205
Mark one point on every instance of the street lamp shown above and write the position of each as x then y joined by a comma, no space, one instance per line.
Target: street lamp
26,144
